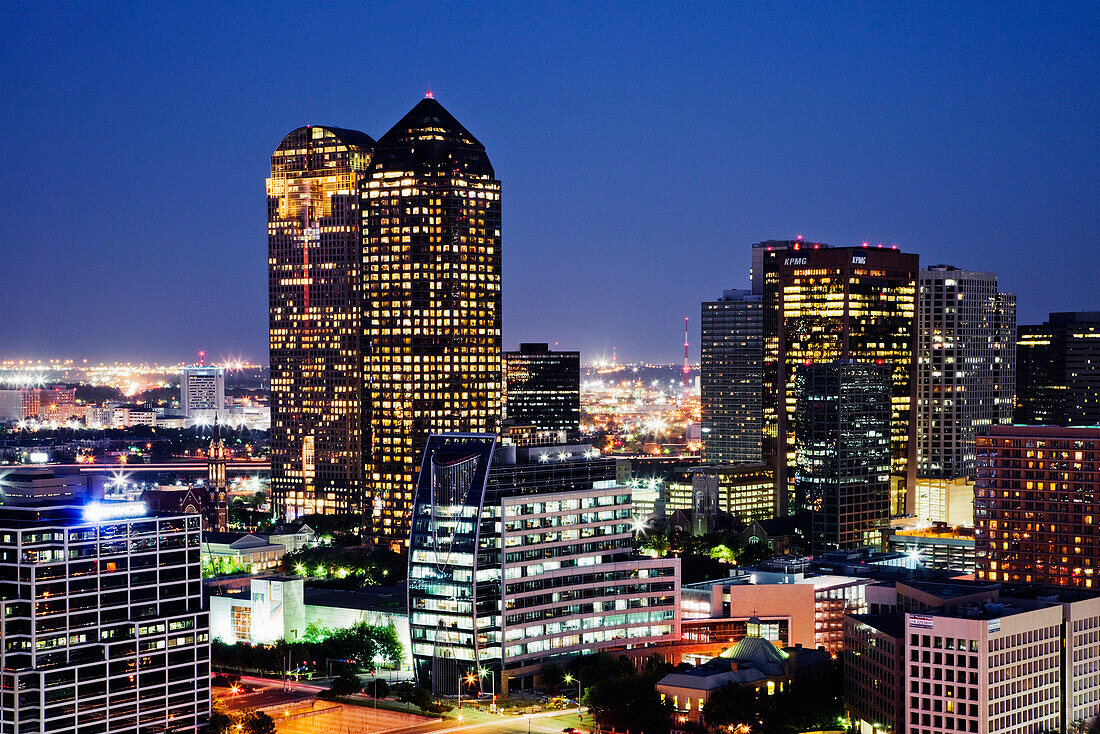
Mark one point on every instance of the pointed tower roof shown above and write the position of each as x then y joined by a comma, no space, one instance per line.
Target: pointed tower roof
429,136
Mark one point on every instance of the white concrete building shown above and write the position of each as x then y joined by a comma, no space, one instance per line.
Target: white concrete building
966,366
202,393
998,667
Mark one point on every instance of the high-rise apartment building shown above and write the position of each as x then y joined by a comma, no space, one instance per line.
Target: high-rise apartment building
202,393
104,628
731,390
431,302
543,388
49,403
966,378
384,264
314,235
1036,505
826,303
842,449
516,561
1058,371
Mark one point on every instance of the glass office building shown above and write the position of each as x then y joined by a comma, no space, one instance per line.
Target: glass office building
521,556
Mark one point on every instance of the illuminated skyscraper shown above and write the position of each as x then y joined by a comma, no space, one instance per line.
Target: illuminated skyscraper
544,388
314,259
966,350
431,302
838,303
202,393
1058,371
842,447
730,378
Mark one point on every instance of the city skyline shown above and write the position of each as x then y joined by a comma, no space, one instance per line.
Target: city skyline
962,135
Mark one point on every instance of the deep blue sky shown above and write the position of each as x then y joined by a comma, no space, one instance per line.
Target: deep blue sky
642,149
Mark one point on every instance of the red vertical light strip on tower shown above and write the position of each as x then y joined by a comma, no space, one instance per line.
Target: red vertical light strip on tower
687,369
305,282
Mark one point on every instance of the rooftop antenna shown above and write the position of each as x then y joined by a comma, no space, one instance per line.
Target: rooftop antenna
202,358
428,94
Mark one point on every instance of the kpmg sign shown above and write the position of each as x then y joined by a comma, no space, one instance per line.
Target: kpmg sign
794,261
920,621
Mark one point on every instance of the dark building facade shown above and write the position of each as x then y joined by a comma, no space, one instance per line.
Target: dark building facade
1036,505
515,562
314,243
431,303
842,445
1058,371
826,303
966,358
730,378
543,388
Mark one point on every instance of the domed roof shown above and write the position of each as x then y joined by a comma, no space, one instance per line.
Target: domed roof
757,651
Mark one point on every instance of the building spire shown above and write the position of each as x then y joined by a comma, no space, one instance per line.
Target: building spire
428,94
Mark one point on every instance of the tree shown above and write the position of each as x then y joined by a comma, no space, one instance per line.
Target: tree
346,684
220,720
620,697
257,722
416,695
731,705
754,553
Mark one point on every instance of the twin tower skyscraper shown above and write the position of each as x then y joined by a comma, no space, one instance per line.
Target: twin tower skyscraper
385,309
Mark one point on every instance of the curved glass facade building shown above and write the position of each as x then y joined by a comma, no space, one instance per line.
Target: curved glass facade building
520,556
454,605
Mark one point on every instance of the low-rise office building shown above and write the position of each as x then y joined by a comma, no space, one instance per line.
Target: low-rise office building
990,659
263,609
224,553
940,546
795,608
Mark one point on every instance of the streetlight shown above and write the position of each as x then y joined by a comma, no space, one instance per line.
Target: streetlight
481,673
569,679
469,679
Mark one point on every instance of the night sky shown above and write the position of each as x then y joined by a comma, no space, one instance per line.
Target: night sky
642,149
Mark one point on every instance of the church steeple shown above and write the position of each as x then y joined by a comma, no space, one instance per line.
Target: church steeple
217,510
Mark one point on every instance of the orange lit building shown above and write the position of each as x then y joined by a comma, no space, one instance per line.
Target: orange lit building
431,303
314,245
1036,505
826,303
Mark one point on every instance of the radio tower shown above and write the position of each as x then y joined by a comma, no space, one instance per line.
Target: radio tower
687,369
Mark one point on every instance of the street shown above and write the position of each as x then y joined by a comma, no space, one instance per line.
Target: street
295,713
